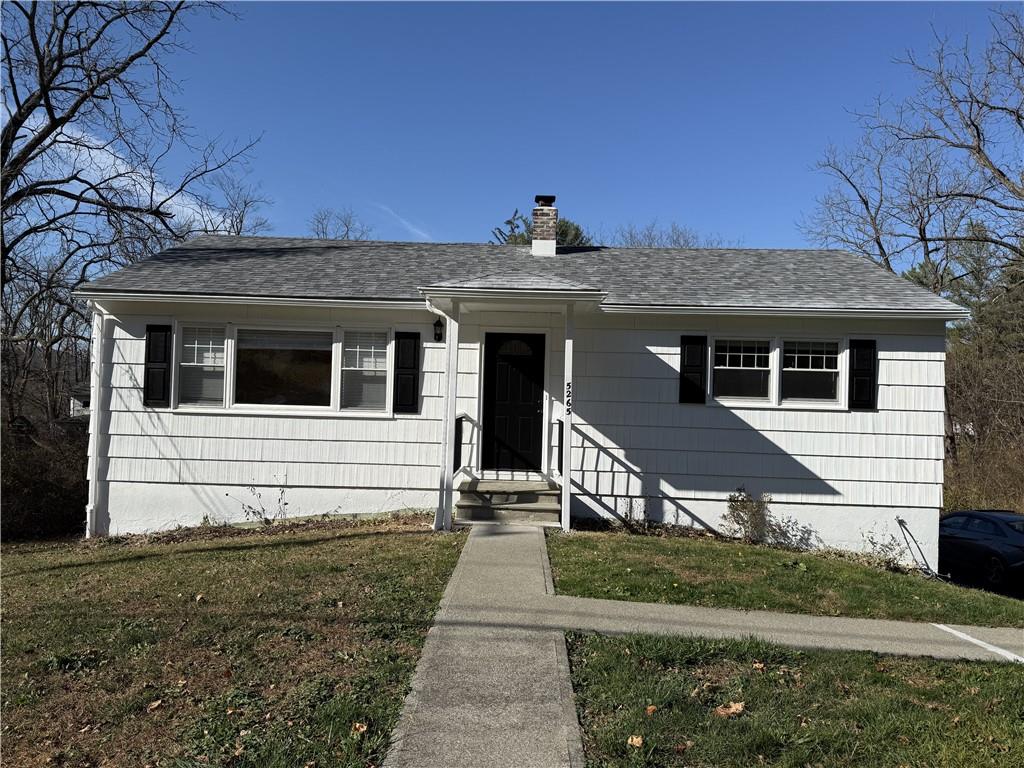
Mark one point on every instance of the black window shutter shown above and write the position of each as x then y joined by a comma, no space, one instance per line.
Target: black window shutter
863,374
407,372
693,367
156,388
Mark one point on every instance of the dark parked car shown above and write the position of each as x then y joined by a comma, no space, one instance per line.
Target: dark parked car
984,544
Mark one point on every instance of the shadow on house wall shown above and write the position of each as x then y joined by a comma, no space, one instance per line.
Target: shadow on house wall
620,470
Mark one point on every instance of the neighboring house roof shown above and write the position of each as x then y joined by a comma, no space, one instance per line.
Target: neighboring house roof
719,278
81,391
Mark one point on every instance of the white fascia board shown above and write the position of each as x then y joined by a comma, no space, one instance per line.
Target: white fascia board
883,314
185,298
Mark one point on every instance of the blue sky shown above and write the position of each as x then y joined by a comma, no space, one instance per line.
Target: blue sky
435,121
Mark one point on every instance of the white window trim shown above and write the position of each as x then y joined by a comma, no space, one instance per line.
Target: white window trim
289,409
389,361
743,402
178,327
179,340
842,382
774,399
334,410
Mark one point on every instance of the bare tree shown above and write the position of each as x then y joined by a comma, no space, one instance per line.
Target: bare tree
944,167
241,210
89,131
655,235
338,224
973,111
884,206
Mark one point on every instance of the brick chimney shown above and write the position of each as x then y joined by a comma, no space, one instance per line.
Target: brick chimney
545,223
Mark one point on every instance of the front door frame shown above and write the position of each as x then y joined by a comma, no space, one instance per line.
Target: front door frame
546,399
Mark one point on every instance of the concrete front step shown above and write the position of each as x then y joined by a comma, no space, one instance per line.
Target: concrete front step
483,493
469,515
508,501
541,505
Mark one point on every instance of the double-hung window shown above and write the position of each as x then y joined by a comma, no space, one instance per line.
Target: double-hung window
810,370
274,367
742,368
257,369
364,370
201,367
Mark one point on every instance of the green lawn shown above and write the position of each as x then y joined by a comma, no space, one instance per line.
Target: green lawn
703,571
248,648
646,700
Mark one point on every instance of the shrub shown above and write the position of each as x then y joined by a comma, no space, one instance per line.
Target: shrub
750,518
747,516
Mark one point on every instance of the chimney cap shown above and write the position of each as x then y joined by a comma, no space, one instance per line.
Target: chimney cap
545,201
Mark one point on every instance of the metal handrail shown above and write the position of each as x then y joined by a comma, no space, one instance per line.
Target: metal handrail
561,453
457,460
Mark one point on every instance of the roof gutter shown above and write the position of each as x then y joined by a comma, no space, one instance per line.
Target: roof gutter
289,301
953,313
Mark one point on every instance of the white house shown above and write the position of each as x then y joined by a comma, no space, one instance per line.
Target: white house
375,376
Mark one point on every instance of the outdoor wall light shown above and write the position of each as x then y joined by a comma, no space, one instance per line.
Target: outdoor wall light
438,330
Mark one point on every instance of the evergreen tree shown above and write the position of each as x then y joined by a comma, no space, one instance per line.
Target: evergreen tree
518,230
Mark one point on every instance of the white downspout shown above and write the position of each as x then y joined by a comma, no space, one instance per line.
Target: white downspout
446,479
95,421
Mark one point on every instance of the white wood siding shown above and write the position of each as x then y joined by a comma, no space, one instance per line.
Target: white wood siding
213,455
635,447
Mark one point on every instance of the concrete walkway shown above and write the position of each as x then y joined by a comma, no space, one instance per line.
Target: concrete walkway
492,686
489,693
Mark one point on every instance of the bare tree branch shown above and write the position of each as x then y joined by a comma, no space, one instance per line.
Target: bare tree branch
943,168
338,224
88,184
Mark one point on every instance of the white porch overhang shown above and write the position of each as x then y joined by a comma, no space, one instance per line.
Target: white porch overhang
494,293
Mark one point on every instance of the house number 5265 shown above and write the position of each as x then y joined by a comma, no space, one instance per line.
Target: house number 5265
568,398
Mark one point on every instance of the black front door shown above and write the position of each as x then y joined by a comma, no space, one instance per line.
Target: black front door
513,401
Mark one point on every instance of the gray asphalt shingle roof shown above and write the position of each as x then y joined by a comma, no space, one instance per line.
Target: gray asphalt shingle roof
515,279
330,269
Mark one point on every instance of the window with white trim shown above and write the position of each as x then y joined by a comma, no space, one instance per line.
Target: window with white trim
275,367
810,370
742,368
201,367
364,370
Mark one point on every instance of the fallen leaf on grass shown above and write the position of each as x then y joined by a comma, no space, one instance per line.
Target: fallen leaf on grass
358,728
635,741
155,705
758,665
683,746
650,710
705,686
731,709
